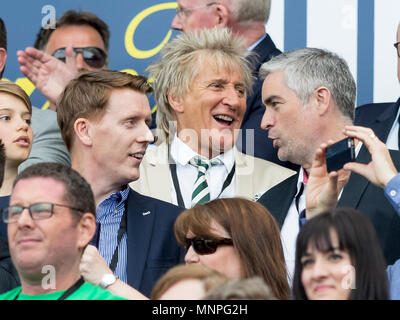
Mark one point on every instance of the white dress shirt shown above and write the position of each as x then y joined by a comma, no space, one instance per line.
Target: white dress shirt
290,227
181,153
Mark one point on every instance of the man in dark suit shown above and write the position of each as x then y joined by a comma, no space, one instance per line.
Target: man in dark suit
104,119
246,19
309,96
383,118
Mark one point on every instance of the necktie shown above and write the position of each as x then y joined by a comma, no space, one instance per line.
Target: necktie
201,192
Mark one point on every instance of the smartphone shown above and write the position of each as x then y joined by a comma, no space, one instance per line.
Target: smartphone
338,154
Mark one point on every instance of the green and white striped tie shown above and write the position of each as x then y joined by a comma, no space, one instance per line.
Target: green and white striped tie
201,192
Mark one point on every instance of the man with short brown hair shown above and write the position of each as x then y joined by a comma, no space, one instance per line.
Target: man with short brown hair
104,117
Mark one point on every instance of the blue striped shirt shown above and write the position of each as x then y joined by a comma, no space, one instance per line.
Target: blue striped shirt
109,214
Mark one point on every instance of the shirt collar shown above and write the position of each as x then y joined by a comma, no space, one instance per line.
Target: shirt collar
300,180
256,43
117,198
182,153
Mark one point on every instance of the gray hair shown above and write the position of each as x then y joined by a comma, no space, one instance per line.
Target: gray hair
309,68
182,60
251,10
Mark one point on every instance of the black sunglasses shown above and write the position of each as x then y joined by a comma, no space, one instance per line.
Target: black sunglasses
206,246
93,56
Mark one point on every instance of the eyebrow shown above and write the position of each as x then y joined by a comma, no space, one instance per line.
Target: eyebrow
12,110
6,109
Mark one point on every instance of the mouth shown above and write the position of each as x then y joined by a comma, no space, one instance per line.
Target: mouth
322,288
137,156
27,241
275,142
23,141
224,120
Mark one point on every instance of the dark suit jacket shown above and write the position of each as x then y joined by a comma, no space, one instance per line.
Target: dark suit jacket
263,148
152,248
377,116
359,194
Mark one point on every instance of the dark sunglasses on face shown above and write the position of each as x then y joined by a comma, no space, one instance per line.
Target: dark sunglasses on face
206,246
93,56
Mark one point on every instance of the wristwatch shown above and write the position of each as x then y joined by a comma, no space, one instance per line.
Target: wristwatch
107,280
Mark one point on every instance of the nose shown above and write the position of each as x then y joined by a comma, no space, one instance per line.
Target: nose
191,256
233,99
25,220
23,125
176,23
319,270
267,120
146,135
80,62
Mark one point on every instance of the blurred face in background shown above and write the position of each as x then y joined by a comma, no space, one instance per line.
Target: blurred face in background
195,14
80,37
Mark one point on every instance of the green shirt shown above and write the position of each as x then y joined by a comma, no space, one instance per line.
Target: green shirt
87,291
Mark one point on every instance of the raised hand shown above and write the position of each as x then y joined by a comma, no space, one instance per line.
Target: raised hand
381,169
47,73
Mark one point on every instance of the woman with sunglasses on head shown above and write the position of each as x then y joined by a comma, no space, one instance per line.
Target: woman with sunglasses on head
236,237
338,257
16,135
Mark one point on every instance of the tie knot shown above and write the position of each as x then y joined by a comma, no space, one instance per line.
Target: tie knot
200,162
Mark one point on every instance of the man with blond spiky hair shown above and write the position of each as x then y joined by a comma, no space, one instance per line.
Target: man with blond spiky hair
246,19
201,84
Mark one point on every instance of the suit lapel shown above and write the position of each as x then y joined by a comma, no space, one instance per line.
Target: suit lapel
356,185
264,51
140,222
384,122
244,182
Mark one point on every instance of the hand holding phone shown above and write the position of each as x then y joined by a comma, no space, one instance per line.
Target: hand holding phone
340,153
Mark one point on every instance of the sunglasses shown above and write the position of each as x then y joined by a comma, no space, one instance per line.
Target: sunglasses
206,246
93,56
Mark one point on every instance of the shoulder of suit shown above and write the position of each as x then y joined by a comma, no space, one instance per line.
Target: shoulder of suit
141,199
43,112
261,164
374,106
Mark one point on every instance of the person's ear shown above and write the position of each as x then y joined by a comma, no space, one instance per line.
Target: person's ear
222,15
323,98
3,59
86,229
82,128
176,103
